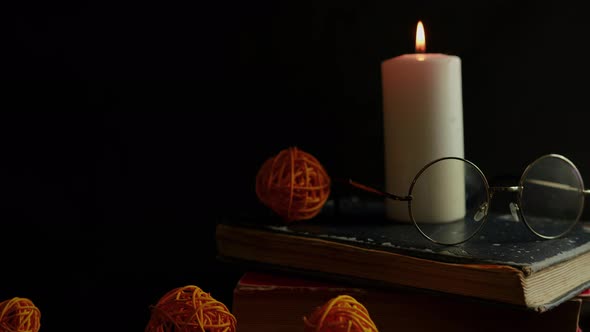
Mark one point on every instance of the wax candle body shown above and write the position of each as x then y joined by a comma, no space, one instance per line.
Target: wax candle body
423,121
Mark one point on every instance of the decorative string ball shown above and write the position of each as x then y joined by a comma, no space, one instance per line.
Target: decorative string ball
293,184
340,314
190,309
19,315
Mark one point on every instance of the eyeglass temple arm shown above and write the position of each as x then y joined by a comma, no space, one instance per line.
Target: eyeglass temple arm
378,192
558,185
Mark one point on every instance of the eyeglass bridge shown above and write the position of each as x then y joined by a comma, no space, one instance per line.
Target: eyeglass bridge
511,189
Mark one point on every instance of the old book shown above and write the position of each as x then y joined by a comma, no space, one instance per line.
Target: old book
504,263
278,303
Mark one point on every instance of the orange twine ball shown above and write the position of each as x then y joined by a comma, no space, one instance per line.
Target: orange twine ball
190,309
341,314
19,315
293,184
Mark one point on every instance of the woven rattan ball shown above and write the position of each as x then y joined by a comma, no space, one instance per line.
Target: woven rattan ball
190,309
340,314
293,184
19,315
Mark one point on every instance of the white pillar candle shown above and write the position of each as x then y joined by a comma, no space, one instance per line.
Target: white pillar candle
423,121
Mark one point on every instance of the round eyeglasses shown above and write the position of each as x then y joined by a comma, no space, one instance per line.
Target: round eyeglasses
449,199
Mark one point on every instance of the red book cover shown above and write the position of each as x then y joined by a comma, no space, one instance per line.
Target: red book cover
278,303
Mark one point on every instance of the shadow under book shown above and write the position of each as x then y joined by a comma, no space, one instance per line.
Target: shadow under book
278,302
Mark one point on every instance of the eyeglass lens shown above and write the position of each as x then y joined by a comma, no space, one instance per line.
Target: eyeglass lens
449,201
552,197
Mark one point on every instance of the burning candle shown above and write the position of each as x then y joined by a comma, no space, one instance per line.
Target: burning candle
423,121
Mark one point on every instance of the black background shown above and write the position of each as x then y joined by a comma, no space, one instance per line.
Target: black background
127,129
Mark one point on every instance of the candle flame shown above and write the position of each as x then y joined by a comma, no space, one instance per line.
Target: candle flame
420,38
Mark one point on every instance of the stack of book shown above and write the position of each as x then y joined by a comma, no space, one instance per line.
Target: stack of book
504,279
